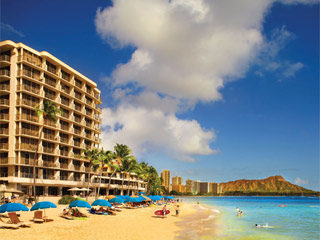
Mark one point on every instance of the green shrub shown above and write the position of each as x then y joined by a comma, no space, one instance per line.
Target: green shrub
66,199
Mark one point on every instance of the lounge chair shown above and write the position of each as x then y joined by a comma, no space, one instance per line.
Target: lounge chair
38,217
4,224
15,220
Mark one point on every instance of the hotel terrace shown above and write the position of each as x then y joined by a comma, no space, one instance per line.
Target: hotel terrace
27,77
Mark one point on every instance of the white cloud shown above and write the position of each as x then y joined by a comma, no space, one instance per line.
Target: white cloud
9,28
292,69
185,52
147,130
300,181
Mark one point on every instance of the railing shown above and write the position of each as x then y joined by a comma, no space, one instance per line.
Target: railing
78,95
65,101
33,60
27,161
29,88
65,89
30,74
64,153
27,131
88,135
76,143
88,124
29,146
65,76
49,164
4,160
4,131
27,102
78,156
77,119
49,123
64,178
48,149
77,108
64,165
28,117
50,96
52,70
5,58
5,72
64,127
4,116
76,131
64,140
51,177
89,102
49,136
77,167
65,115
4,87
4,101
26,175
50,82
77,84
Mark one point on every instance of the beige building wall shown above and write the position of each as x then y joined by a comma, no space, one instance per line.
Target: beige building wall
27,77
165,175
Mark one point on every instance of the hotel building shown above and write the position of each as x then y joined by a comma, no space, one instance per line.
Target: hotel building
27,77
165,176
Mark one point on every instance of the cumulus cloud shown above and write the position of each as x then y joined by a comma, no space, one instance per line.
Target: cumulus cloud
145,129
300,181
185,51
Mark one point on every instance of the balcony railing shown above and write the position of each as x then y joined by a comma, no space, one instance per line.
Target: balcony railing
29,88
76,143
64,153
52,69
5,72
65,115
77,108
5,58
4,131
4,145
64,165
27,117
50,82
48,149
4,87
26,175
49,123
30,74
64,178
88,124
4,160
4,116
4,101
89,102
64,101
28,146
51,177
77,119
65,89
49,164
31,59
78,84
50,96
64,140
27,161
27,131
76,131
27,102
78,95
49,136
64,127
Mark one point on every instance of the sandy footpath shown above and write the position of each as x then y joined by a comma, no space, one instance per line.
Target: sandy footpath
129,224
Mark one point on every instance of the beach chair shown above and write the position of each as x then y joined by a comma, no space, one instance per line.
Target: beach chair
38,217
15,220
4,224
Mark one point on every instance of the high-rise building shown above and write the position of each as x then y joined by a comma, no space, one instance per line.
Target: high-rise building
27,78
177,181
189,186
204,187
165,175
196,187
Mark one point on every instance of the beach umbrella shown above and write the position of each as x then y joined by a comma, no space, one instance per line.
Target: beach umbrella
80,203
101,203
43,205
142,193
110,197
74,189
85,189
13,207
116,200
169,197
146,198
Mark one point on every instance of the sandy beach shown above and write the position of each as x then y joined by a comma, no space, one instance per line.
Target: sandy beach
129,224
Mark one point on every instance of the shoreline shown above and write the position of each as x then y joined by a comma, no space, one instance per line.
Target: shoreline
133,224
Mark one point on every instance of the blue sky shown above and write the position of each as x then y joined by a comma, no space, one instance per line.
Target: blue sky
246,105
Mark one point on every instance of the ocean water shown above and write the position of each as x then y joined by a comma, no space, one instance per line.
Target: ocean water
217,218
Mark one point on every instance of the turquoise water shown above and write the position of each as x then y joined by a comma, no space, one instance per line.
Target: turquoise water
300,219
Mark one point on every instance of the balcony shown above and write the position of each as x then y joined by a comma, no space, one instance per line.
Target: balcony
4,101
4,146
27,131
4,160
89,102
76,143
49,136
50,177
64,140
27,161
65,89
64,101
77,107
65,76
27,117
88,124
64,153
78,84
64,165
48,150
5,58
52,70
64,127
28,88
77,119
50,82
5,72
50,96
77,131
77,167
27,102
29,146
30,74
4,131
77,95
65,115
4,87
49,123
64,178
31,59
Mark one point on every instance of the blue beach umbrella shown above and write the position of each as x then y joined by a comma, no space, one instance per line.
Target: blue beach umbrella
101,203
116,200
80,203
13,207
43,205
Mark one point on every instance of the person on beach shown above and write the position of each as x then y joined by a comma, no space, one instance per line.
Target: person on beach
177,210
164,209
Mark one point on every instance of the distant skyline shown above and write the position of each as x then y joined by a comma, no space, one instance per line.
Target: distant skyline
211,90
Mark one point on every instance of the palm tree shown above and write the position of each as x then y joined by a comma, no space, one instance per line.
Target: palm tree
104,157
115,168
48,111
91,155
128,165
